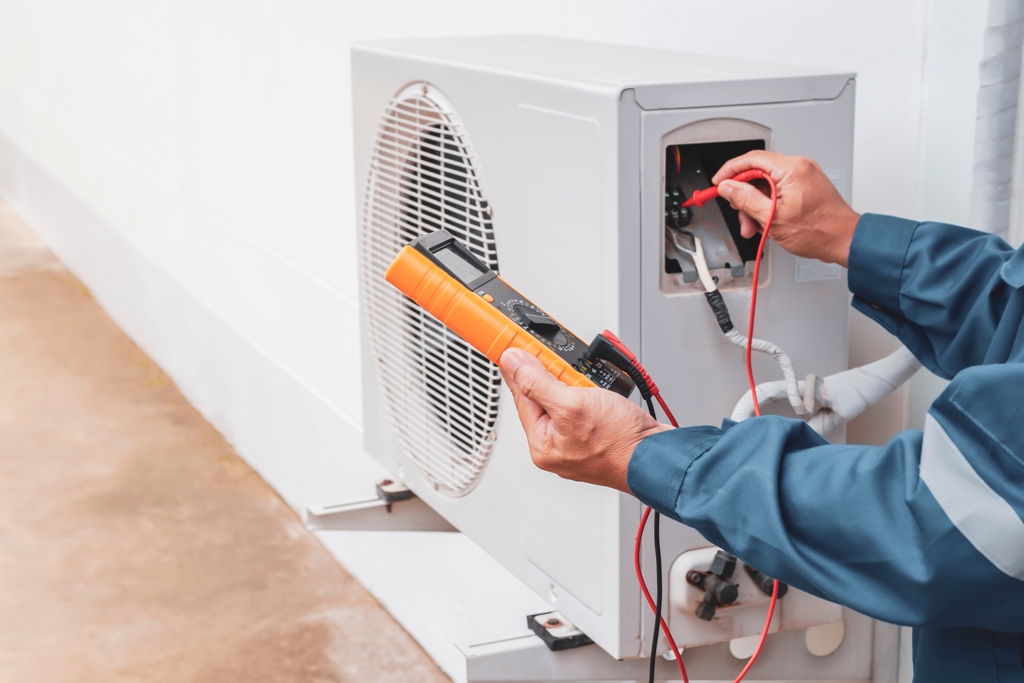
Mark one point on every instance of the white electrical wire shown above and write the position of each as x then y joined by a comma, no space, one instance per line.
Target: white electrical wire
697,254
702,266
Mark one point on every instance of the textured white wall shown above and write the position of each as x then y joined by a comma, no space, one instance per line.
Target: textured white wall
214,136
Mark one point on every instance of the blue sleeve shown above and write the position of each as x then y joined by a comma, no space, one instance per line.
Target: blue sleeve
924,531
943,290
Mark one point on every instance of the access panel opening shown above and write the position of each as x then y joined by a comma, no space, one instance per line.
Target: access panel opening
729,255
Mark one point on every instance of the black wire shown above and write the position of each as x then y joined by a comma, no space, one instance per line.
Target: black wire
657,569
657,598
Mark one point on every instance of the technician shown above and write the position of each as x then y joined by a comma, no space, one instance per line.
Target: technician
925,531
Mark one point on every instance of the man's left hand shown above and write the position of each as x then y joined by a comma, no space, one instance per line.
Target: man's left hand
582,434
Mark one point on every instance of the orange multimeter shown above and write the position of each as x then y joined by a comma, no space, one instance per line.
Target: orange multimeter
447,280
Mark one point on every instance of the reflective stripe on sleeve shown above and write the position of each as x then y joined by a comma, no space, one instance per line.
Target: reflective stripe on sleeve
979,513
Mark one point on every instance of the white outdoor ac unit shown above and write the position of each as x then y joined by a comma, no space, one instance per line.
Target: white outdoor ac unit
551,159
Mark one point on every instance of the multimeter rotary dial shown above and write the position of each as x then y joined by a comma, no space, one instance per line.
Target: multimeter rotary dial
538,322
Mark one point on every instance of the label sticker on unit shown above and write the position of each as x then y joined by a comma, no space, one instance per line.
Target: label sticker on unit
838,179
812,270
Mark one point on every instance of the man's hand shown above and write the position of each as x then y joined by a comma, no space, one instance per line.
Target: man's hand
581,434
811,218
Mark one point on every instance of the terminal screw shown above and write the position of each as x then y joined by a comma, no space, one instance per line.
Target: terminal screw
685,216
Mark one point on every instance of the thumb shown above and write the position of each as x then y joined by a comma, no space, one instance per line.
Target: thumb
533,380
746,199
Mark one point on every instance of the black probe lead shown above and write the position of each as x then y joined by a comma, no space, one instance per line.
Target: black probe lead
657,594
657,569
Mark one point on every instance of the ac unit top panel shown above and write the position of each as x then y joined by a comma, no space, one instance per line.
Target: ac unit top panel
655,75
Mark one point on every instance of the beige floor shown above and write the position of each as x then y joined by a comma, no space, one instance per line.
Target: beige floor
134,544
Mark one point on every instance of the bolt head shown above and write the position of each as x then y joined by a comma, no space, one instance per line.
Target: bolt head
552,622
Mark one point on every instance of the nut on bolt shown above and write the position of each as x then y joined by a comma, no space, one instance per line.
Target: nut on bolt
706,608
724,564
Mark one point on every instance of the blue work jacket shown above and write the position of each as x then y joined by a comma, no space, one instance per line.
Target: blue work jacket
925,531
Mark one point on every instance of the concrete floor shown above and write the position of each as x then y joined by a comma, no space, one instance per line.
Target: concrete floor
134,544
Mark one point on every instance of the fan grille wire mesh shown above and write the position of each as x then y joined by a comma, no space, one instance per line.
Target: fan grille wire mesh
441,393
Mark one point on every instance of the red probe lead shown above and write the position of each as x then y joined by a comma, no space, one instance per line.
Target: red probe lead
700,198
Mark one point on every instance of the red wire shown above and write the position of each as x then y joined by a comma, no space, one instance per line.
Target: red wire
753,297
764,631
668,413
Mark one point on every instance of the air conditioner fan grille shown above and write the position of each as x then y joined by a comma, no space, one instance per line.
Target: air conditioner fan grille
442,395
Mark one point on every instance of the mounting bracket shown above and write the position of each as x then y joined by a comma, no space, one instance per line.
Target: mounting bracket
395,508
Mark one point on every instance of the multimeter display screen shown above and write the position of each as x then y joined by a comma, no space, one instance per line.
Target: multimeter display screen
459,265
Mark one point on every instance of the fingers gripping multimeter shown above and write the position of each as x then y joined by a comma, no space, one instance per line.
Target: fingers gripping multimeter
444,278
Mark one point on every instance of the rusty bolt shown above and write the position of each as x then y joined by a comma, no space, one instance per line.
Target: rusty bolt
706,608
552,623
386,482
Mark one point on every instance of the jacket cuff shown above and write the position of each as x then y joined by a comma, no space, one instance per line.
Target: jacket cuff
877,254
659,464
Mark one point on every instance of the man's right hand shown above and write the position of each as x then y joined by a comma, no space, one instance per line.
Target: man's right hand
811,218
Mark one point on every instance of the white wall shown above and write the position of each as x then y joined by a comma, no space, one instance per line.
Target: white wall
213,138
954,45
